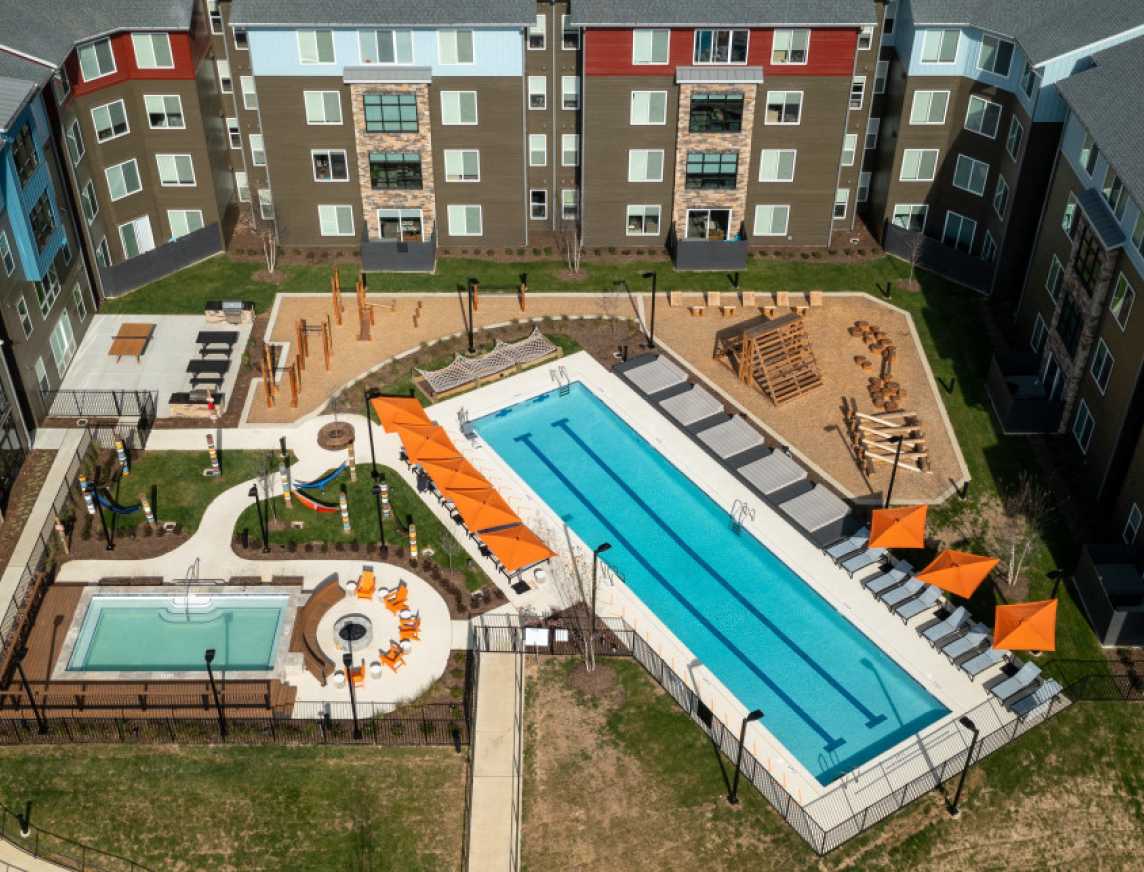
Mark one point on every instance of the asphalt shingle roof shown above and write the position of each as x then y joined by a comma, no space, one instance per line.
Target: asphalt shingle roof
728,12
350,13
1044,28
1109,100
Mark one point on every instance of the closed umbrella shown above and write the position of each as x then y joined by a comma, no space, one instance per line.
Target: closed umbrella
1026,626
903,527
481,508
517,548
958,572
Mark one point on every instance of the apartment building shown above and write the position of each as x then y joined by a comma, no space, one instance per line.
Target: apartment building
970,122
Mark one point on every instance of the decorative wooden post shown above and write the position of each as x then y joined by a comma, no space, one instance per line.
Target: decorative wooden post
412,541
88,498
351,461
146,504
295,381
344,507
336,291
212,452
284,474
61,531
523,296
327,342
121,455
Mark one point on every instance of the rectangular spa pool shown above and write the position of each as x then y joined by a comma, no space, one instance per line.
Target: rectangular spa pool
829,694
168,633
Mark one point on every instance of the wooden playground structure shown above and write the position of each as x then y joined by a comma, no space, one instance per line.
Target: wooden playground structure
774,352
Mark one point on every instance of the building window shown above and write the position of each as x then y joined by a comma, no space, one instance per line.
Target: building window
24,154
538,204
1069,325
136,237
857,92
863,187
841,202
110,121
983,117
1089,254
712,170
164,111
48,291
266,204
257,149
458,107
1040,335
1113,190
872,125
538,32
400,225
1132,525
1089,152
24,315
784,107
569,92
465,221
6,256
393,170
1028,80
570,149
88,201
537,92
649,107
455,47
123,179
569,204
315,46
849,148
1013,141
959,232
225,84
330,165
96,60
184,221
713,225
970,175
62,342
777,164
929,107
103,253
643,220
1068,219
389,112
716,113
988,248
240,38
881,74
940,46
995,56
385,46
64,253
537,149
771,220
865,37
242,186
461,165
1120,304
650,46
720,46
1053,279
1083,425
233,133
153,51
42,376
249,95
336,220
74,141
918,164
910,216
569,35
323,107
215,16
645,165
1101,367
790,46
175,170
1001,196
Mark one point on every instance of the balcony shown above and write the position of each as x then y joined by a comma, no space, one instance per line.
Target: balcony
399,255
1019,399
716,255
1111,590
957,266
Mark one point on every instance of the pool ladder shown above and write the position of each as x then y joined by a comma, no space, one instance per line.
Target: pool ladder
740,509
563,382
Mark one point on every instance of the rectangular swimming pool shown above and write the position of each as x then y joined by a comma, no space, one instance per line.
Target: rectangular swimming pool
168,633
829,694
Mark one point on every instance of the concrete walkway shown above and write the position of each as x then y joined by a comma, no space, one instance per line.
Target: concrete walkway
12,859
494,807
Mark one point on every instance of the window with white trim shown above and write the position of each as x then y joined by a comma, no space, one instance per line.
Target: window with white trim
538,33
849,148
6,257
266,204
1089,152
184,221
983,117
872,125
110,121
465,220
385,46
47,290
1082,427
153,51
918,165
42,375
538,204
249,95
215,17
940,46
841,202
783,107
570,149
970,174
89,201
225,83
175,170
103,253
136,237
1053,278
929,107
959,231
336,220
650,46
240,38
315,47
777,164
123,179
863,187
330,165
1068,218
645,165
74,141
323,107
720,46
1132,525
995,55
462,165
1013,140
1040,335
865,37
648,107
242,186
1028,79
569,204
569,35
24,315
881,75
455,47
1114,192
96,60
537,149
988,247
257,149
569,92
1120,303
164,111
790,46
643,220
537,92
62,343
458,107
1101,367
771,220
1001,196
857,92
233,132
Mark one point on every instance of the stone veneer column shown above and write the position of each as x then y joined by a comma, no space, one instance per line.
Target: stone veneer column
421,141
685,141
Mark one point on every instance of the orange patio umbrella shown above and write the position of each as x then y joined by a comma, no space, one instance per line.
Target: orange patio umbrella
394,412
427,443
1026,626
958,571
903,527
517,548
481,508
455,473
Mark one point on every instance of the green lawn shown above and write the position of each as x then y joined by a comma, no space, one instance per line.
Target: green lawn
327,527
270,808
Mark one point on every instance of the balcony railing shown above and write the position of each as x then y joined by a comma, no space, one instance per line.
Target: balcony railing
709,254
1019,399
395,256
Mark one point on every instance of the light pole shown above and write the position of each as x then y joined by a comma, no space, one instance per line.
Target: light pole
654,276
376,489
756,715
209,656
953,807
263,524
348,662
472,346
369,395
41,721
600,549
1057,576
894,472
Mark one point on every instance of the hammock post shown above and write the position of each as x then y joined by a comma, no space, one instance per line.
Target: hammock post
327,342
472,305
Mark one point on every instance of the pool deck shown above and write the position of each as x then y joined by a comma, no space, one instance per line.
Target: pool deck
901,642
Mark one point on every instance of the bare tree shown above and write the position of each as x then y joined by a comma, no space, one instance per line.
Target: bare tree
270,249
452,549
917,246
1027,507
571,246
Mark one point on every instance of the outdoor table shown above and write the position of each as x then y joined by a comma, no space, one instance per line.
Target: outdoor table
216,342
131,340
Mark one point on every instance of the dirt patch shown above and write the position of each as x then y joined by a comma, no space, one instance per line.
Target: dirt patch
601,683
23,496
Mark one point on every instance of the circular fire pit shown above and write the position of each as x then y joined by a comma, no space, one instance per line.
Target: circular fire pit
355,630
335,435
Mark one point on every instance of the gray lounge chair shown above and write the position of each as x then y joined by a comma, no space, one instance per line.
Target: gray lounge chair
899,595
974,666
968,644
884,581
1020,681
1026,705
929,598
862,560
847,546
656,376
943,629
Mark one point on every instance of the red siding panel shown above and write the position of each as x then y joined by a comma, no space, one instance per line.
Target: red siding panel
126,68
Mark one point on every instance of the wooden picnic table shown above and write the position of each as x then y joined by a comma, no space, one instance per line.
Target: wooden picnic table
131,340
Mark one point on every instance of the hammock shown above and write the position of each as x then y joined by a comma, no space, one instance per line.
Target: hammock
320,483
313,505
115,507
504,355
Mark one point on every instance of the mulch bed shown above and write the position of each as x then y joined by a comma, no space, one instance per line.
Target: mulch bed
25,490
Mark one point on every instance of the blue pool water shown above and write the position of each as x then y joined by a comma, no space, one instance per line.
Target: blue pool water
829,694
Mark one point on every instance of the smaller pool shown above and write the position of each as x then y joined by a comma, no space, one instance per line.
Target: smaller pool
165,633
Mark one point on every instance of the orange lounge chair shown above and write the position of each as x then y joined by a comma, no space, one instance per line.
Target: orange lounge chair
395,599
367,584
410,633
394,658
357,675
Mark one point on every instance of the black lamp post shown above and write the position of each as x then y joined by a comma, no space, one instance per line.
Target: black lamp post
756,715
1057,576
41,721
376,489
600,549
348,662
894,472
472,346
369,395
263,523
209,656
653,275
954,807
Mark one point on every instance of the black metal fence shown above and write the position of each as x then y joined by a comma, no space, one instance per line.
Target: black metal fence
61,850
100,404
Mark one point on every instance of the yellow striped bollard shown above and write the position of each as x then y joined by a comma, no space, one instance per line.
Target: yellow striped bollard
344,505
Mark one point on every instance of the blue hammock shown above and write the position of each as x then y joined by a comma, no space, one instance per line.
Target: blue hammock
320,483
108,503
